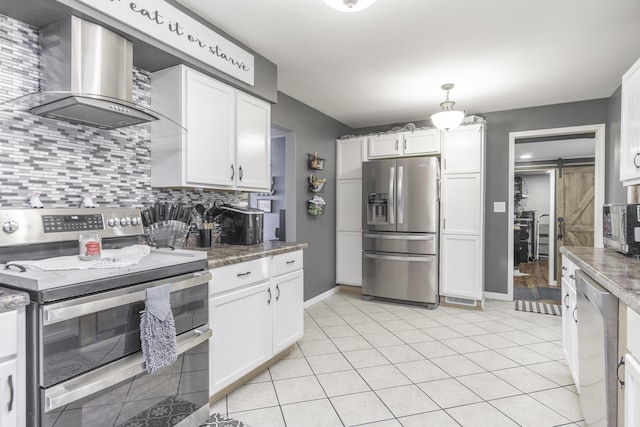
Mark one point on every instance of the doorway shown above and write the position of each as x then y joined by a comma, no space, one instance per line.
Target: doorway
279,203
557,138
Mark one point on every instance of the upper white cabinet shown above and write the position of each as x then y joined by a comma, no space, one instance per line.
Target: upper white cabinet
461,204
253,154
463,149
419,142
630,127
349,158
384,145
227,143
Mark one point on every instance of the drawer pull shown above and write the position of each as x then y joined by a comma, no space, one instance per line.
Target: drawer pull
291,262
564,268
621,363
244,274
10,405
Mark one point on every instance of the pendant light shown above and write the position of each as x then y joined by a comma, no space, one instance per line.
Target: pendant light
448,118
349,5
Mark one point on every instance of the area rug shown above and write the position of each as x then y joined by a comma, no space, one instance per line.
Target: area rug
538,307
219,420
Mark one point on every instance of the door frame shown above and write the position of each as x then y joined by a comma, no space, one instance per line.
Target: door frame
599,130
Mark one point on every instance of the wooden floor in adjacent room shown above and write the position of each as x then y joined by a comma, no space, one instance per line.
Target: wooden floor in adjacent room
537,277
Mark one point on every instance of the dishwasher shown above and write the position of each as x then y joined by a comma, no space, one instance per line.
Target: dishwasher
597,352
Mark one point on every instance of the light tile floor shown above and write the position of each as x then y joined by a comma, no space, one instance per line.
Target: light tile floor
367,363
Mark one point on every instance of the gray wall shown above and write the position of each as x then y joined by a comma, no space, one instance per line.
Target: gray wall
614,191
314,131
500,124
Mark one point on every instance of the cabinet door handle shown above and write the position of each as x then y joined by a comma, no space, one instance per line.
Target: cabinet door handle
243,274
240,173
405,144
233,172
564,268
396,145
573,314
635,160
565,300
278,294
620,363
269,300
572,277
10,405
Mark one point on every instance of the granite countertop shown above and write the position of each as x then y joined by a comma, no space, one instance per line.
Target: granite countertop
220,255
617,273
10,299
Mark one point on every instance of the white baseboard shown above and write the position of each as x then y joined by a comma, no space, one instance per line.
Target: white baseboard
322,296
500,297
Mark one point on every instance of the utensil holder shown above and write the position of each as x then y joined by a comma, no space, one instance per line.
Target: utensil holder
204,240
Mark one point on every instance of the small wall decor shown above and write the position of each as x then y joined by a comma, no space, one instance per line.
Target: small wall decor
314,162
315,206
264,205
316,185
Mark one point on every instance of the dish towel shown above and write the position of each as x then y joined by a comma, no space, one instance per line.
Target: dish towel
111,258
158,329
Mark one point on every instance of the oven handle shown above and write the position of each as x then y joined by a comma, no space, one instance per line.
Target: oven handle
75,308
113,373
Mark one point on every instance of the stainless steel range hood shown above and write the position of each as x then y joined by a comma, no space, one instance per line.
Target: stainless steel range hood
87,78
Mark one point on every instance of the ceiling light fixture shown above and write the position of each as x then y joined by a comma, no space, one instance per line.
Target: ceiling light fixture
526,156
448,118
349,5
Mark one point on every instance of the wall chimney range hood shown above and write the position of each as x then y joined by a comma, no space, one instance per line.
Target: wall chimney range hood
87,78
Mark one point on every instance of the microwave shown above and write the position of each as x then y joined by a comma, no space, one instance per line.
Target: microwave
621,228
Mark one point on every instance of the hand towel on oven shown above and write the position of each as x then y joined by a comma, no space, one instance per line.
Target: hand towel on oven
158,329
111,258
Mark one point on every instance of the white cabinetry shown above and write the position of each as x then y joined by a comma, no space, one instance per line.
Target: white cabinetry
630,127
12,382
227,141
253,149
632,371
419,142
570,317
462,219
349,211
255,312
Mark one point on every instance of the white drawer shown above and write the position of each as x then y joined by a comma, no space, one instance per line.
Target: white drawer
285,263
9,327
633,338
568,269
236,276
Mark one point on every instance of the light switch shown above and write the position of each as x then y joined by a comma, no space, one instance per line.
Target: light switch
499,207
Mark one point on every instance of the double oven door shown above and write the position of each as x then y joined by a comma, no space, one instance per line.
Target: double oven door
90,370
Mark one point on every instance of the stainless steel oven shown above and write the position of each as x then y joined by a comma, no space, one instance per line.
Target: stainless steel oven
85,365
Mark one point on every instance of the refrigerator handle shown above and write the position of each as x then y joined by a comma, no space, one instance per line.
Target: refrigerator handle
400,194
392,196
438,180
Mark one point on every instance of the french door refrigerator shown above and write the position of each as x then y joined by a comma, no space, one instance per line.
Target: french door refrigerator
400,223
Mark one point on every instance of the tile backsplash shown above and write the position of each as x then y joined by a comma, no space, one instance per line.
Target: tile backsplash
62,161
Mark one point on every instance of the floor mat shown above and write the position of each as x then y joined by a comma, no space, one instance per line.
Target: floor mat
219,420
538,307
167,412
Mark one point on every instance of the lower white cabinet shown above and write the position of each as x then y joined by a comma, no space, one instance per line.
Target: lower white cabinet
241,339
12,381
631,390
349,258
288,316
460,282
570,318
255,311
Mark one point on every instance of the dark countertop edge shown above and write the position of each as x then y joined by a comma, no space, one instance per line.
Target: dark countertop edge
221,261
626,296
11,299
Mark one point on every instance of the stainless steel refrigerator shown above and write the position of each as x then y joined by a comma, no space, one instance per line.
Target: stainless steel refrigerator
400,223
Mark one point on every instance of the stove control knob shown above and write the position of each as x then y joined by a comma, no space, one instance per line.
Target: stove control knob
125,221
135,220
112,222
10,226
